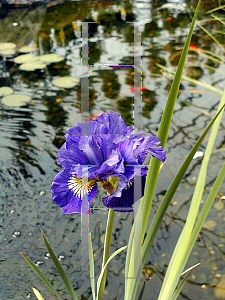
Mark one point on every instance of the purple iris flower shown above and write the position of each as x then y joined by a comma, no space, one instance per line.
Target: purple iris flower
103,152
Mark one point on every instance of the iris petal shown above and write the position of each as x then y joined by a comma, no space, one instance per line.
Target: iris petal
114,122
65,197
72,156
126,150
92,150
59,188
97,150
74,206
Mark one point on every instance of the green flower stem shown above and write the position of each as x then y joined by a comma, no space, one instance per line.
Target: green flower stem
106,253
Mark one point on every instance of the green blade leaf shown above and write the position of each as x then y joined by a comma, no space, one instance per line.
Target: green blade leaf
142,290
218,19
168,112
60,269
203,214
171,191
168,198
37,294
205,210
215,9
207,205
106,264
183,281
92,268
154,166
212,37
202,83
178,258
164,127
41,276
209,54
106,252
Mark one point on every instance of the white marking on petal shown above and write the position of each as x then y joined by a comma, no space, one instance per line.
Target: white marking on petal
129,184
81,187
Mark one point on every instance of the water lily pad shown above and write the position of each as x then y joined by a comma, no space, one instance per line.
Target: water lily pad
32,66
26,49
51,58
5,90
16,100
25,58
8,52
65,82
7,46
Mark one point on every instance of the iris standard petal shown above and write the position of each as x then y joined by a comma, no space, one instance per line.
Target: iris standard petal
115,164
92,150
126,150
114,122
86,128
72,156
148,143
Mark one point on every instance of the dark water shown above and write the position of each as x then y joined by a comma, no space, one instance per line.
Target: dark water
31,135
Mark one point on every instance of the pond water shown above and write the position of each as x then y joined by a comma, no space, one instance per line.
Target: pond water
31,134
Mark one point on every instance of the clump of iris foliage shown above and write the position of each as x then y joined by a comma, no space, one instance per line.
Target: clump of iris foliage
108,152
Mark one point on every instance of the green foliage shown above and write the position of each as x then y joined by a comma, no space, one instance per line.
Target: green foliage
47,283
59,268
99,297
134,246
171,287
92,267
37,294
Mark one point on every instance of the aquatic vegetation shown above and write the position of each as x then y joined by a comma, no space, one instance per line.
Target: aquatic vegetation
51,58
32,66
5,90
7,46
26,49
8,52
16,100
26,58
66,82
